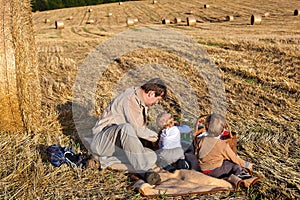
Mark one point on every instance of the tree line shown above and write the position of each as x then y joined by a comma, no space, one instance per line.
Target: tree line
40,5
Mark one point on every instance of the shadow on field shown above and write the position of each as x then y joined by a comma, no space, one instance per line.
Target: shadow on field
75,118
41,148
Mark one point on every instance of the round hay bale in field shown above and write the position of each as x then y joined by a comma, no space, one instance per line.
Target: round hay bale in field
189,12
70,18
20,92
191,21
177,20
229,18
266,14
135,20
154,2
59,24
109,14
120,3
296,12
165,21
206,6
47,21
130,21
90,21
255,19
89,10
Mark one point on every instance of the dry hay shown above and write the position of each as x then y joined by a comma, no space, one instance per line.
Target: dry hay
261,75
59,24
19,97
266,14
191,21
255,20
130,21
205,6
229,18
154,2
136,20
166,21
69,18
47,21
90,21
109,14
177,20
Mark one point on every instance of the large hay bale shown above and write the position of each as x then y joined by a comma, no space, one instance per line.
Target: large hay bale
130,21
229,18
166,21
206,6
177,20
20,96
59,24
191,21
255,20
90,21
47,21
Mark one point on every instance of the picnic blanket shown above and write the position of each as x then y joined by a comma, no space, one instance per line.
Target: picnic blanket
182,182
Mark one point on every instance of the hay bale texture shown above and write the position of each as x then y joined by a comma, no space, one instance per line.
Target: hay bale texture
166,21
130,21
255,19
229,18
59,24
191,21
20,95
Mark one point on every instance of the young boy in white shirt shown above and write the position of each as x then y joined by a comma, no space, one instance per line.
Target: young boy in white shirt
171,154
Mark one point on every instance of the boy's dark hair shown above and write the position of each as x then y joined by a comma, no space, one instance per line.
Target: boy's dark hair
156,85
214,124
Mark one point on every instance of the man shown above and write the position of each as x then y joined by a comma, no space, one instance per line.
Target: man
123,122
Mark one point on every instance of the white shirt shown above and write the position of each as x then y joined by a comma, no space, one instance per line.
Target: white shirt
170,137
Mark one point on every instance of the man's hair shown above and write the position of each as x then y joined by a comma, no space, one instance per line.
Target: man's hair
214,124
156,85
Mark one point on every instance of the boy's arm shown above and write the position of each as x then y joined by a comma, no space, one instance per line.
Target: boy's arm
230,155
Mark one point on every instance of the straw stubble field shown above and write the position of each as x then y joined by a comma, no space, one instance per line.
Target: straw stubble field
259,66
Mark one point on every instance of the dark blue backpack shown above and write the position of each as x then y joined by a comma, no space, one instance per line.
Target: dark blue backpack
58,155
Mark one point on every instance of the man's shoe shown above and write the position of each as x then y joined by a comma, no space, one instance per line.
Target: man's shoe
92,163
182,164
152,178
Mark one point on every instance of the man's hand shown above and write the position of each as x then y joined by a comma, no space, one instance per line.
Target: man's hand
153,139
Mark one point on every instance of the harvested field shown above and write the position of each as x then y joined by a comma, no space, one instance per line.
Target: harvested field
259,66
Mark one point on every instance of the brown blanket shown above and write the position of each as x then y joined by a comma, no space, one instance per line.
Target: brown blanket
183,182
